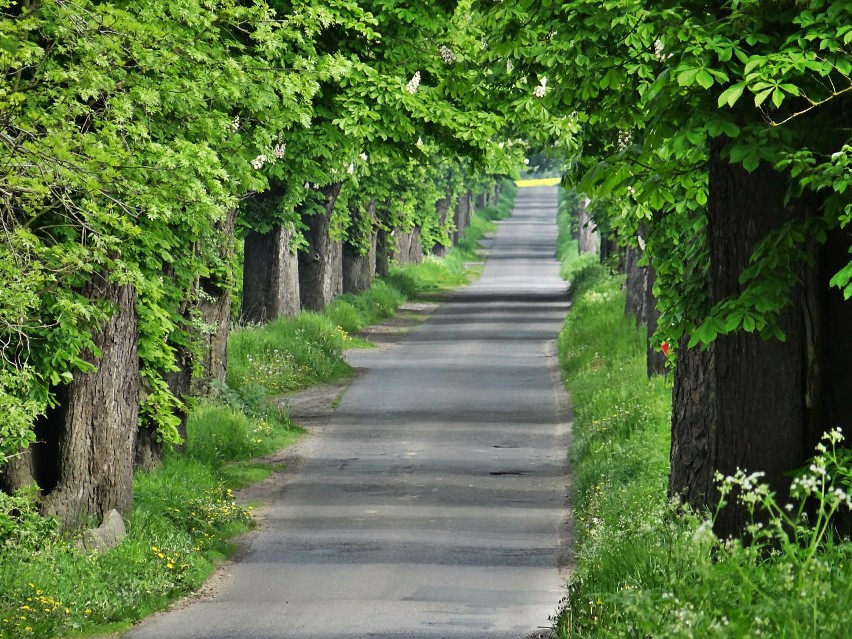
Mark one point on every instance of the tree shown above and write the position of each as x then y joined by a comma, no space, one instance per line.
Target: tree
725,128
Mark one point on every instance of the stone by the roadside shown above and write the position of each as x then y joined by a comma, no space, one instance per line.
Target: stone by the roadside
106,536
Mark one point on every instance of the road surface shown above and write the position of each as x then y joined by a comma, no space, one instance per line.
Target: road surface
433,505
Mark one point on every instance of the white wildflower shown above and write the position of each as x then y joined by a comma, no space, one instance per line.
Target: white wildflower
413,83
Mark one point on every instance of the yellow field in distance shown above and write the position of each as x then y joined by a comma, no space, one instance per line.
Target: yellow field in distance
538,182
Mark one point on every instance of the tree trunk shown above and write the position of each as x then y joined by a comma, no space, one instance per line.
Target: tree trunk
656,360
18,472
442,212
149,449
383,252
321,263
98,419
588,230
462,214
359,264
215,311
635,284
401,246
482,200
740,403
270,276
415,247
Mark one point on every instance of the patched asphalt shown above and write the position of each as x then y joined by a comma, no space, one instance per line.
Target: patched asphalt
433,504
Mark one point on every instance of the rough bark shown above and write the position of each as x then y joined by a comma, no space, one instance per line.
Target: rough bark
409,249
739,404
442,212
588,230
97,419
415,247
215,311
270,276
635,286
383,252
656,360
360,264
321,262
462,215
482,200
149,449
18,472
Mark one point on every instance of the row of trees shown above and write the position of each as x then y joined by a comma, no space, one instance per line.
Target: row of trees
140,142
716,137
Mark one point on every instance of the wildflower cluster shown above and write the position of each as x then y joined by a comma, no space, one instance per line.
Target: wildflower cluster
825,487
258,162
541,89
30,611
413,83
207,514
172,561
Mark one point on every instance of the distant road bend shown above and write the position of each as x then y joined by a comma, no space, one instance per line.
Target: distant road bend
433,505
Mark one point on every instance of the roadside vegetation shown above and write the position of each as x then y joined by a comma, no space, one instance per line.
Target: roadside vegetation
650,567
185,511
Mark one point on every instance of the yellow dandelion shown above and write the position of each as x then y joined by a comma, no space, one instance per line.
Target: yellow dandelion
170,566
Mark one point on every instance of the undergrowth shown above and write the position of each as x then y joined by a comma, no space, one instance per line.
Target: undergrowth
184,512
647,567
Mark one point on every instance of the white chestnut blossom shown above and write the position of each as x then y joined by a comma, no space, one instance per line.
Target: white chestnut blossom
447,55
413,83
363,156
258,162
540,90
351,168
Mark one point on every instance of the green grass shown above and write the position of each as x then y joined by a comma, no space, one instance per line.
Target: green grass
646,567
184,512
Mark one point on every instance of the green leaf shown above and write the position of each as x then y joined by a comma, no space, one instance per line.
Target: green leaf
685,78
704,78
731,94
760,98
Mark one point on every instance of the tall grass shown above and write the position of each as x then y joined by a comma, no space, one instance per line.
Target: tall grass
647,567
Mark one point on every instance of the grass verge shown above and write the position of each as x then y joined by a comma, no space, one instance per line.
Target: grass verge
184,512
646,567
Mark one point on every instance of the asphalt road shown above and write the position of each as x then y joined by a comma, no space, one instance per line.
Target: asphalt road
433,505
